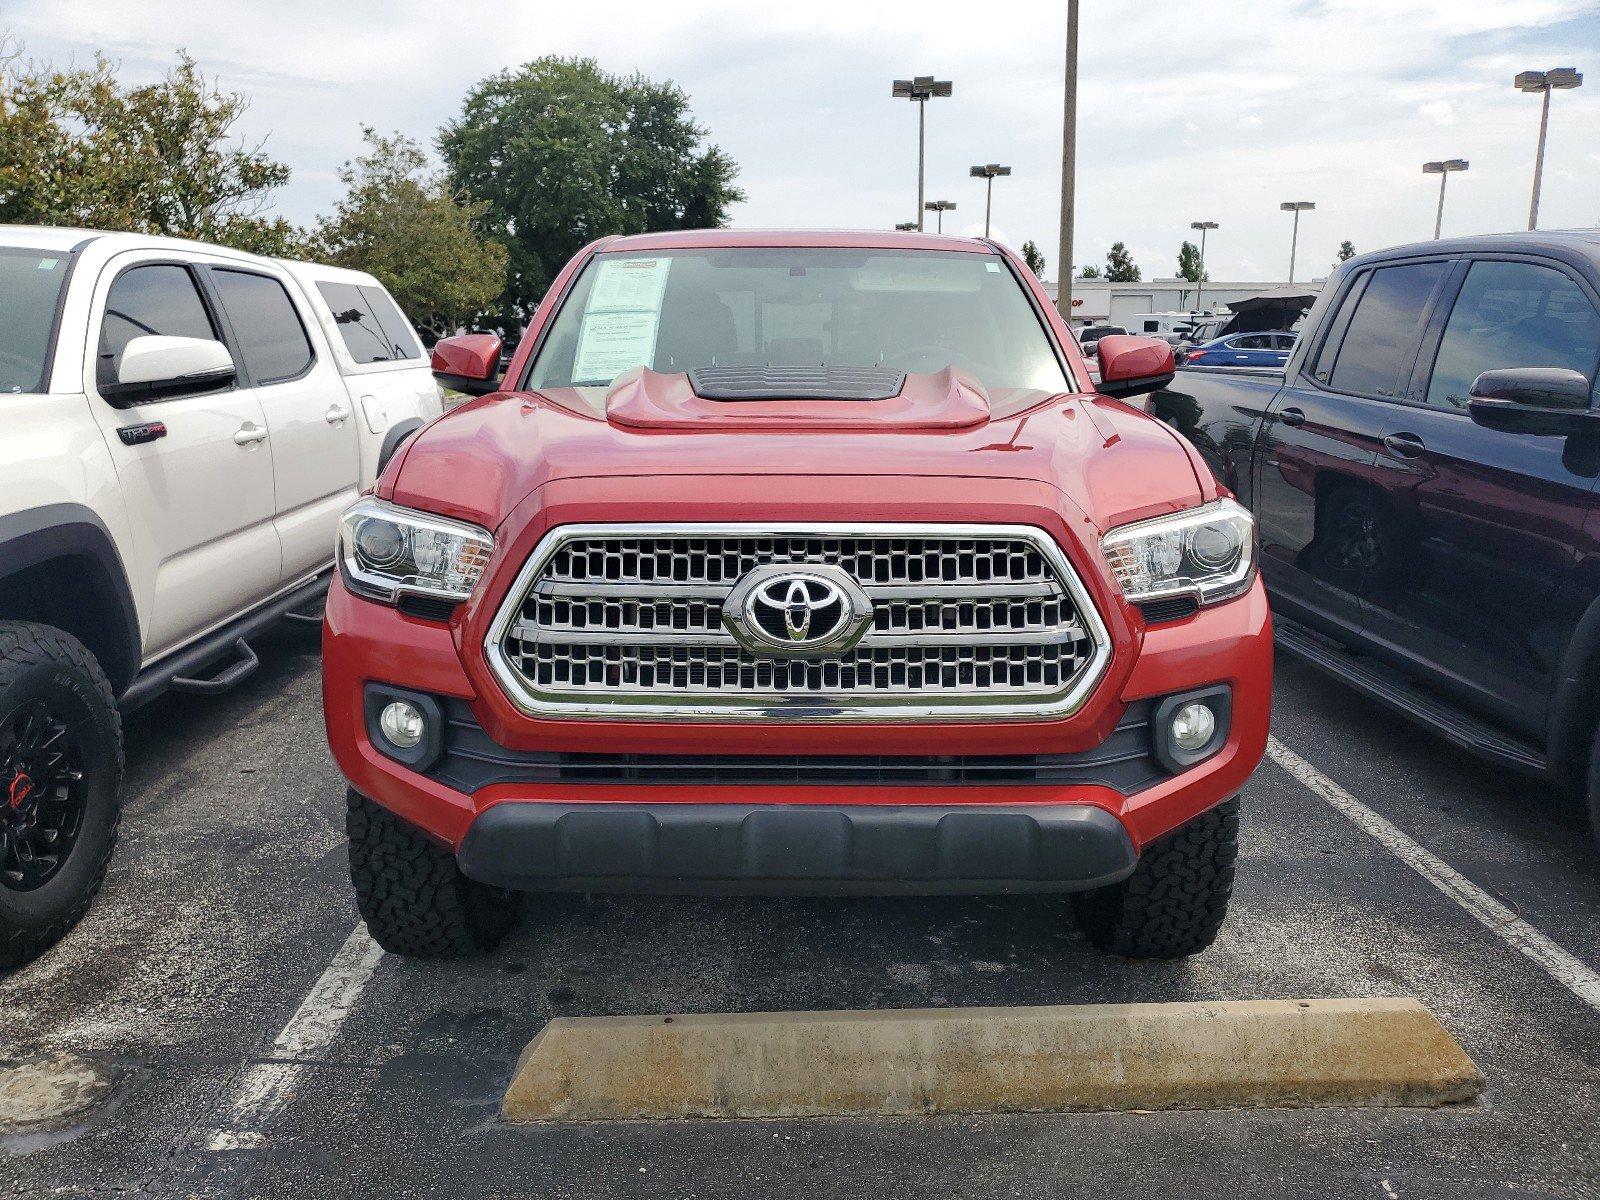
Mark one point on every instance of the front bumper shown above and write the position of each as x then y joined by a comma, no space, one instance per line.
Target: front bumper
547,816
809,850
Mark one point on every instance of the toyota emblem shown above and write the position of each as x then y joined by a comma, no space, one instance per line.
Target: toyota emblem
797,611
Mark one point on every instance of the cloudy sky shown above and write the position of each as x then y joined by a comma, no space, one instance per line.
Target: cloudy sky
1188,111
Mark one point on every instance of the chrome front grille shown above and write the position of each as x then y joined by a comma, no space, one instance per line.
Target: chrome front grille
983,622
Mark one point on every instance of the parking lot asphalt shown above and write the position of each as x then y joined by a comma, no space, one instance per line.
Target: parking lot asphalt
262,1048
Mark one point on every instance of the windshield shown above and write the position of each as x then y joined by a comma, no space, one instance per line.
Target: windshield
920,311
30,287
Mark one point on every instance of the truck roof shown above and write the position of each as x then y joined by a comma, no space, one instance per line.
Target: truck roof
845,239
1581,241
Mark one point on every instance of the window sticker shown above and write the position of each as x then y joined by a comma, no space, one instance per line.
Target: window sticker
48,264
621,319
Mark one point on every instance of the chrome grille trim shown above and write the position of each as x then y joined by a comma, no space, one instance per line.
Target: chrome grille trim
1024,641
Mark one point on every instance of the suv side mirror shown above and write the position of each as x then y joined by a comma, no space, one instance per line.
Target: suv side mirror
1132,366
469,362
1540,400
156,367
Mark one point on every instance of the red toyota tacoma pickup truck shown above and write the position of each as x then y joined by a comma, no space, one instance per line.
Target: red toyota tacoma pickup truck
796,563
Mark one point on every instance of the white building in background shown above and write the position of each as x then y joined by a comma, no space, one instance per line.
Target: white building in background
1095,300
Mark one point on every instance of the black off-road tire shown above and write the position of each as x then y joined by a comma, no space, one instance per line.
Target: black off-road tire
1177,897
413,897
1594,787
42,664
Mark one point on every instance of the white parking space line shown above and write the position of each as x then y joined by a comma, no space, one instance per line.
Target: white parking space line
1489,912
269,1085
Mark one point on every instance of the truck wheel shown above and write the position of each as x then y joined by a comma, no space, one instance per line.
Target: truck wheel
60,773
1594,786
1175,901
411,894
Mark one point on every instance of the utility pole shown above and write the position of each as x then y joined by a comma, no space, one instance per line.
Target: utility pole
1296,207
1069,154
920,90
941,207
988,171
1563,78
1200,284
1442,169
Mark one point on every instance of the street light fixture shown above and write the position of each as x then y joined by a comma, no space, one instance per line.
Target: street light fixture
941,207
919,91
1442,169
1296,207
989,171
1200,285
1560,79
906,227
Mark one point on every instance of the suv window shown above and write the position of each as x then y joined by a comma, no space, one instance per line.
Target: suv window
1512,314
1380,346
271,338
157,299
369,322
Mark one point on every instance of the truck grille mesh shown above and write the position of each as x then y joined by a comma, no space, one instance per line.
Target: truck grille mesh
958,622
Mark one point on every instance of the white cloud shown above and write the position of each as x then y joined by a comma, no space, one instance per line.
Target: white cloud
1181,117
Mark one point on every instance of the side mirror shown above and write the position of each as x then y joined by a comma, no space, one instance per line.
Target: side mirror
1132,366
469,362
156,367
1541,400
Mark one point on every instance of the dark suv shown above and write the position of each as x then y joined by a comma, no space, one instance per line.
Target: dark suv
1424,476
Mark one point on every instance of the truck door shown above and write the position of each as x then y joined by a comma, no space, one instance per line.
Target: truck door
315,443
1483,595
199,495
1316,465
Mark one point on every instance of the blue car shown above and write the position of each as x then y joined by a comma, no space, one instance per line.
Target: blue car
1243,350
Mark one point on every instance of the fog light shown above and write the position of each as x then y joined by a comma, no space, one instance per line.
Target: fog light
1192,726
403,726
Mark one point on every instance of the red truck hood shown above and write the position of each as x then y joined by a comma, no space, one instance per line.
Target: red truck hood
1111,462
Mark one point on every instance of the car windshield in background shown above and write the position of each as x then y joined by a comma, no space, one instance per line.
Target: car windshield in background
913,311
30,291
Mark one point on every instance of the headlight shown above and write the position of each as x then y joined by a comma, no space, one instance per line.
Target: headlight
1208,552
385,550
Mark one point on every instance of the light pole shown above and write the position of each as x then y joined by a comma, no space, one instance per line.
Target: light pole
1069,154
920,90
1296,207
1562,78
941,207
1442,169
989,171
1200,284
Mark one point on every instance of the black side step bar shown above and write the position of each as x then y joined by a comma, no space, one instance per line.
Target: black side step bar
190,663
241,669
1395,691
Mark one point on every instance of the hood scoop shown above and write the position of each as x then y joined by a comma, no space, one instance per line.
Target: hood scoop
796,383
728,399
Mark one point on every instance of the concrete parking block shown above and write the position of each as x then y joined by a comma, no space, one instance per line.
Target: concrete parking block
1098,1057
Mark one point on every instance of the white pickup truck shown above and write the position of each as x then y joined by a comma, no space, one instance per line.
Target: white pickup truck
180,427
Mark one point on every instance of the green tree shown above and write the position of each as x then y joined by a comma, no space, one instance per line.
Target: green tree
1120,267
560,153
78,148
1347,250
1034,257
401,222
1189,263
1088,271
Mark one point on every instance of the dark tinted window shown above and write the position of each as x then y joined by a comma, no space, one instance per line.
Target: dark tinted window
271,338
160,299
369,323
1380,346
1513,314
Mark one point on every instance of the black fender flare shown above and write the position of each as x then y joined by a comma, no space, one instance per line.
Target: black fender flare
74,533
395,438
